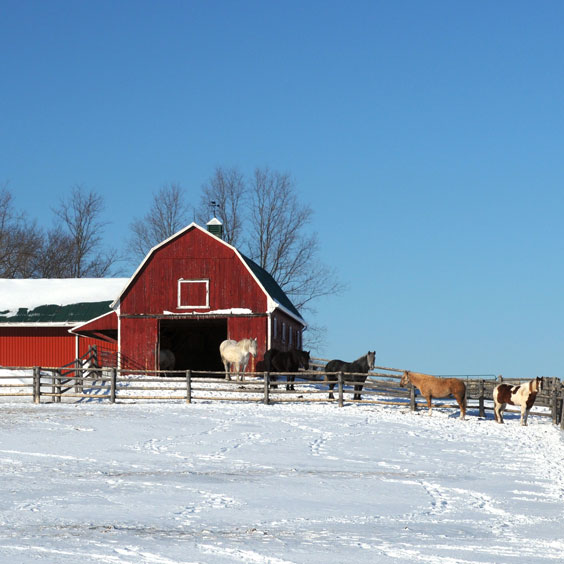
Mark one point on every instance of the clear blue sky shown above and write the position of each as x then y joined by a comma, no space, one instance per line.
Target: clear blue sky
427,136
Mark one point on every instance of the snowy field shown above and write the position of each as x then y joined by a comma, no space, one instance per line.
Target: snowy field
171,483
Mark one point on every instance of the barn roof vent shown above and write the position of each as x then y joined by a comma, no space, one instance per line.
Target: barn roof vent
215,227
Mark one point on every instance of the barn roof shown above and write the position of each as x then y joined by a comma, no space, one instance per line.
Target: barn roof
271,286
277,296
64,301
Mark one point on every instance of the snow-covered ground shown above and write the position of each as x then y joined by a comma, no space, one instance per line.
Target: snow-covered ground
165,483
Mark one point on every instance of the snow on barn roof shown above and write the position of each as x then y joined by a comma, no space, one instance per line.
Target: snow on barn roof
61,300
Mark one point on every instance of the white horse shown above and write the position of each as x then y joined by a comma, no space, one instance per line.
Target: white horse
237,353
523,395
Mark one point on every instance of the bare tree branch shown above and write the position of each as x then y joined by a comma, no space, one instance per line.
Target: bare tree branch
80,214
227,189
20,240
169,214
279,241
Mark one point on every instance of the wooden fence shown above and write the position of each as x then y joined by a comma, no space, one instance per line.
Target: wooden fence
83,384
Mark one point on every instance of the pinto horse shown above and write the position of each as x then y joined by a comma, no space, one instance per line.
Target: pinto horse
286,361
433,387
359,368
237,354
523,395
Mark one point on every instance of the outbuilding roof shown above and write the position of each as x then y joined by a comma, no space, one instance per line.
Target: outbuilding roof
63,301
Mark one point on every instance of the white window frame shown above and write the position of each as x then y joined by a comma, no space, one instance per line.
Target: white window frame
180,305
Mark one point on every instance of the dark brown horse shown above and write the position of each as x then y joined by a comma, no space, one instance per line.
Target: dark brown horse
276,360
358,369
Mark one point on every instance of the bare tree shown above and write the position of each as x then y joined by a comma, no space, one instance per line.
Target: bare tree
20,240
80,214
279,240
55,259
226,191
168,214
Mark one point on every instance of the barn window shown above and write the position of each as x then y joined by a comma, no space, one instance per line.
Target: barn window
193,294
283,332
274,328
291,335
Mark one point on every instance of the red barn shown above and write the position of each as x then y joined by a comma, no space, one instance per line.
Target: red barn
190,293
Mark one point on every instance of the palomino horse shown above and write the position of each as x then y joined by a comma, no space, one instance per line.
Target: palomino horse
237,353
359,368
433,387
286,361
523,395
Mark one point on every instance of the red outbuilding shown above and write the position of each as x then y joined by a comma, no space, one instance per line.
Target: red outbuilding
37,314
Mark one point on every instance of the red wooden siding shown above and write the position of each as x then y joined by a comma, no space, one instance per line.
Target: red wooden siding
250,328
36,346
193,256
138,342
40,346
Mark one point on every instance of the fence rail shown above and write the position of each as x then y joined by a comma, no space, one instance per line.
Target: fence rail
81,383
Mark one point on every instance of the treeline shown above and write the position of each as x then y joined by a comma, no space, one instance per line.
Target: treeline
262,216
71,249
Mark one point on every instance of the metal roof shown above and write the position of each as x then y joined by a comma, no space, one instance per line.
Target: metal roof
69,314
271,286
56,301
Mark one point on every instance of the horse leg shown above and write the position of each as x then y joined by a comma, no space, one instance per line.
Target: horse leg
290,383
524,415
462,405
429,404
357,390
331,386
227,367
498,409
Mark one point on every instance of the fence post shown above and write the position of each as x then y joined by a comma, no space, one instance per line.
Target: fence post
57,389
554,402
562,407
560,396
412,402
340,385
482,409
113,383
266,399
188,386
37,385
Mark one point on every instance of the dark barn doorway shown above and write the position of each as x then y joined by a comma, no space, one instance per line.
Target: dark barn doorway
194,342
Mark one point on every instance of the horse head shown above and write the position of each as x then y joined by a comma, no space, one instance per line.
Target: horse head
404,379
538,384
371,359
253,346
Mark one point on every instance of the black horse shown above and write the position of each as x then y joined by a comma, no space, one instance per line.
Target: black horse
286,361
359,368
